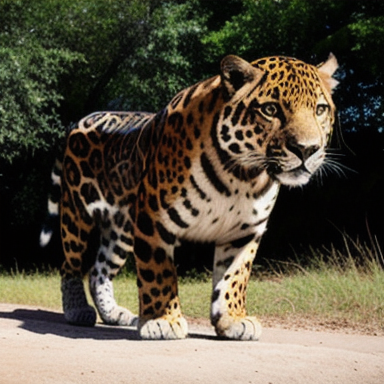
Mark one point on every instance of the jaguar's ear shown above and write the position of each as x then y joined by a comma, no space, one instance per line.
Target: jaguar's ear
327,70
236,73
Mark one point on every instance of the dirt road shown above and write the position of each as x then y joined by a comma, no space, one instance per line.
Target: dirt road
37,346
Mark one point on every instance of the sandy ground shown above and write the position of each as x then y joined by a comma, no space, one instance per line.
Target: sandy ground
37,346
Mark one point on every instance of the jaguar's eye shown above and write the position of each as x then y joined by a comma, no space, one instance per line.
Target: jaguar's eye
321,109
269,109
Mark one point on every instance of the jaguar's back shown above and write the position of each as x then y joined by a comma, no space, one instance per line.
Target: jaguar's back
206,168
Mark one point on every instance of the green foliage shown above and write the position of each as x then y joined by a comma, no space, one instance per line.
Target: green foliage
369,41
29,98
105,33
271,27
164,64
41,43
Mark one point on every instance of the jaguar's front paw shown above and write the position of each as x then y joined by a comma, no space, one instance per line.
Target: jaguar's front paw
246,328
162,328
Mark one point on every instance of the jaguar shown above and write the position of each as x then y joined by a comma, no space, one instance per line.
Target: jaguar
206,168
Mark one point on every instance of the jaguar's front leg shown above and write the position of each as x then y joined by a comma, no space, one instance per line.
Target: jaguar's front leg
232,268
160,313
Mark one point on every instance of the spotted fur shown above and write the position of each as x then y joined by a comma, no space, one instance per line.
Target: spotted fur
207,168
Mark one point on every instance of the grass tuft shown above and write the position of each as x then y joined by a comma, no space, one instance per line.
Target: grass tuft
337,289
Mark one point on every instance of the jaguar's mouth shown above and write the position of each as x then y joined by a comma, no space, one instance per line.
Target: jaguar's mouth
294,177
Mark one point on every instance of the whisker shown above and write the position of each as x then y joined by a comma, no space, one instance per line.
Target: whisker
332,165
339,169
252,160
245,162
336,155
340,165
230,165
321,174
332,149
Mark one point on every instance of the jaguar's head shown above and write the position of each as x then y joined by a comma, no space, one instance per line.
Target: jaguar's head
278,116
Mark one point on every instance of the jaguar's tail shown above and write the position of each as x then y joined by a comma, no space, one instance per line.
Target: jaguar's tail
53,204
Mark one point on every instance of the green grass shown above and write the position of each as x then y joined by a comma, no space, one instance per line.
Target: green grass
31,289
338,289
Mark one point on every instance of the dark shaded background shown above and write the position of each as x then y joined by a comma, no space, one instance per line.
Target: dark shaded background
315,216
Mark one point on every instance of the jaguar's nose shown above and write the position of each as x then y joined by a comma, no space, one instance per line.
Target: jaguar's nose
303,152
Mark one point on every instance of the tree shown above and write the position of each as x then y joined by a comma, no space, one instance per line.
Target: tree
29,96
56,58
164,63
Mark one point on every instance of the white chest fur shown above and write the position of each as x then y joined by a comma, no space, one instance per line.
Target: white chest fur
223,218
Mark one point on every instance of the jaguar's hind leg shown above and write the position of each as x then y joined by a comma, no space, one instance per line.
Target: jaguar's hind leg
115,248
76,226
75,305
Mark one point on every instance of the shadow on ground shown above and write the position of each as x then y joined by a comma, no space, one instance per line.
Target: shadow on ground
44,322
